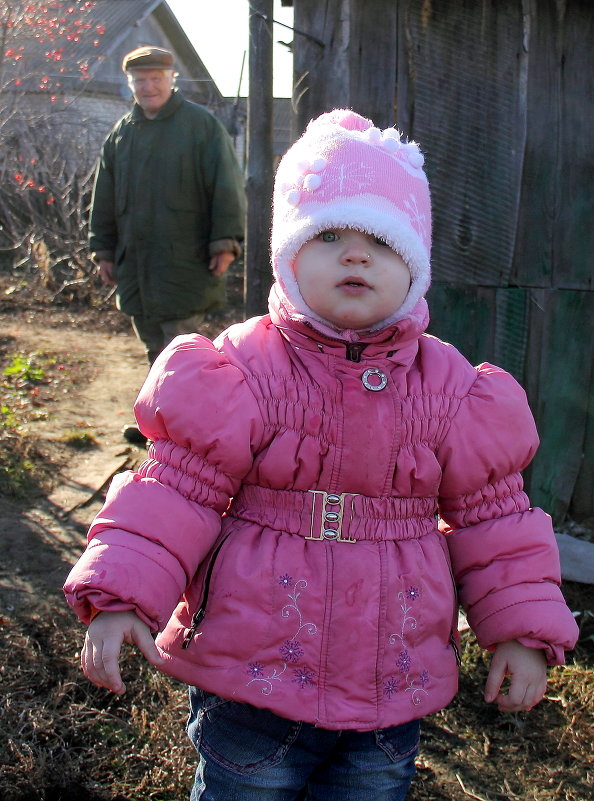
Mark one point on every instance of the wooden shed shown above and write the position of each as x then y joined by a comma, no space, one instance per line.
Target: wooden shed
499,93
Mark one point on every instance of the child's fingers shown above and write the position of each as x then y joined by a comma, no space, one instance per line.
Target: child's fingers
99,662
522,696
109,664
494,680
512,702
141,637
526,669
103,642
533,694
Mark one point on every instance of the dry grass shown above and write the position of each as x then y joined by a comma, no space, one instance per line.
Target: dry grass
63,739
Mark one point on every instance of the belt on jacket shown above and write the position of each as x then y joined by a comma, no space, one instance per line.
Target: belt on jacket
339,517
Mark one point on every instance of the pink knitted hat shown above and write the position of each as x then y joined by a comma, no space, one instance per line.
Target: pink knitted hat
345,173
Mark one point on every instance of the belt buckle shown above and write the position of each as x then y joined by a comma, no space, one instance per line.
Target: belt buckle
334,514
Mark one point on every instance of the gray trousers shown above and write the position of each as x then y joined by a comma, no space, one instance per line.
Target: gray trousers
155,336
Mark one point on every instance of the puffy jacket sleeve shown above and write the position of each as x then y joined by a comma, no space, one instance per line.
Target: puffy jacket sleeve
504,555
159,522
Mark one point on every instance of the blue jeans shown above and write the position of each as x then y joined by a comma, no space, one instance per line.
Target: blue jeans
250,754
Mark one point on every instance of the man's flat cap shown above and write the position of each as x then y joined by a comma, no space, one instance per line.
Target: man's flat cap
148,58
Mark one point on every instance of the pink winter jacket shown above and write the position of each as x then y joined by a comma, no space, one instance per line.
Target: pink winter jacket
301,542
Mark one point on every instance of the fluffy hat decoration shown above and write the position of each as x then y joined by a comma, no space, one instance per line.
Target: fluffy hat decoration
345,173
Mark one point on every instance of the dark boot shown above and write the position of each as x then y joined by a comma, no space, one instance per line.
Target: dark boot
133,435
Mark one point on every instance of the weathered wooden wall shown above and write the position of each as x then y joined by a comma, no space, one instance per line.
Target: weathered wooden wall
500,95
354,65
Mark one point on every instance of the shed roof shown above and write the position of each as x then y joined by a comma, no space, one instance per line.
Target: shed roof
51,45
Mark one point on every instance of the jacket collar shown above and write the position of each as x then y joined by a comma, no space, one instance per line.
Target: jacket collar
170,107
399,340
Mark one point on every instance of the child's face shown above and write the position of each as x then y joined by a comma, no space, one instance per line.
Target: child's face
351,279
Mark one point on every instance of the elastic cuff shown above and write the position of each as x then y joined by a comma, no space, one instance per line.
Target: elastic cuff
224,246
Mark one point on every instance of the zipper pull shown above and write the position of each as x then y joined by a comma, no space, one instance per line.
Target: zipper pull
198,615
197,619
454,645
354,351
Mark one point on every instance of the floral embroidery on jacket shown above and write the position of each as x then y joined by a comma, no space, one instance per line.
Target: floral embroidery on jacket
304,676
292,649
404,660
256,671
287,609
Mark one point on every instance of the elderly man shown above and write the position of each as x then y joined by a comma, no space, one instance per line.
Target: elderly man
168,206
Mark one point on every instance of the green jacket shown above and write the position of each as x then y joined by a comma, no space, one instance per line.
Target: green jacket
168,194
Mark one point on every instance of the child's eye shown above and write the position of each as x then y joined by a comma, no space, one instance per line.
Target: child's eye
379,241
329,236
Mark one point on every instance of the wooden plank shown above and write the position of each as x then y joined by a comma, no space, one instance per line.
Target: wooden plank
511,331
555,236
464,317
355,67
463,72
484,323
582,499
574,233
260,163
544,338
372,62
320,71
557,355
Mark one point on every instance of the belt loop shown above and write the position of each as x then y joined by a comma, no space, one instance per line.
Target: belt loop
328,508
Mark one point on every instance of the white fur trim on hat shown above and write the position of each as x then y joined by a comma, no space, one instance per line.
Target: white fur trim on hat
345,173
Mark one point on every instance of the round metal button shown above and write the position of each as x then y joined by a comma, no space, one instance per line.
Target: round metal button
333,499
331,517
380,382
330,534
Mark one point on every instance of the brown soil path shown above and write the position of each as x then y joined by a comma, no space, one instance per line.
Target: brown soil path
40,541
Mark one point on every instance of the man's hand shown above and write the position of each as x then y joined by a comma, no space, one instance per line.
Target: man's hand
106,272
219,263
101,652
527,670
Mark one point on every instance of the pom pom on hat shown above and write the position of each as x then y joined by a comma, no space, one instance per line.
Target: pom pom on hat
344,172
344,117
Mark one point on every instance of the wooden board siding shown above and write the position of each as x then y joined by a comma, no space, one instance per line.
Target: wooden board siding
539,337
355,64
464,64
555,238
560,370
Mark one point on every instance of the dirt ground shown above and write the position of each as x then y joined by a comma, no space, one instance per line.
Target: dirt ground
63,740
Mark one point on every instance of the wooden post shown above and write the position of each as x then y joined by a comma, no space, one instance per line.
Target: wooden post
258,275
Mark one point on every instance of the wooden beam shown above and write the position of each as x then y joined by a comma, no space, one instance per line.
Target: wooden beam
259,162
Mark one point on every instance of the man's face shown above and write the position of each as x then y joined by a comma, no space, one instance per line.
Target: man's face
151,89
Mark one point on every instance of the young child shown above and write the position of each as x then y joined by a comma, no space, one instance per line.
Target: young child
325,484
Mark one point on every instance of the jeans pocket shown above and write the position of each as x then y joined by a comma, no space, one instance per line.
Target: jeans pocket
399,742
237,736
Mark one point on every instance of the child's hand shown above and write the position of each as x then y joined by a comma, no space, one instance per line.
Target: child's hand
527,669
101,652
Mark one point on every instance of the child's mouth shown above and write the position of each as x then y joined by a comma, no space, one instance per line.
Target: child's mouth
354,282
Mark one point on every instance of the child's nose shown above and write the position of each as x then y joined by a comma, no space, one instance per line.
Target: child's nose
356,252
